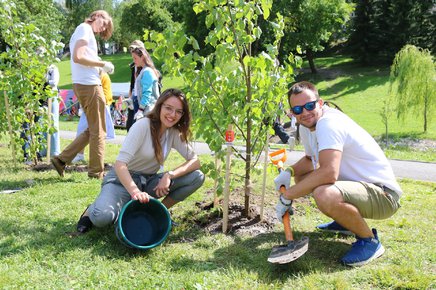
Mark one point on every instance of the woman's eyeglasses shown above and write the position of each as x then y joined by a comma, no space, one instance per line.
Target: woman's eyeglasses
171,110
310,106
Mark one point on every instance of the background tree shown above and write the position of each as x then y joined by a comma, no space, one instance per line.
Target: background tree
310,24
413,79
231,85
143,14
22,81
383,27
44,14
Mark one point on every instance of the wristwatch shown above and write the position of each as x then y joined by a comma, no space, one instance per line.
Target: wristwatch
171,174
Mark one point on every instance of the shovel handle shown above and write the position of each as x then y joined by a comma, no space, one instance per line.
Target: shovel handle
287,221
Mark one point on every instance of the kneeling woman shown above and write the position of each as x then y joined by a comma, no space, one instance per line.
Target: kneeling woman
142,156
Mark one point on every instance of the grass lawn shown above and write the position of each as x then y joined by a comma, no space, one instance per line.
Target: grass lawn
36,253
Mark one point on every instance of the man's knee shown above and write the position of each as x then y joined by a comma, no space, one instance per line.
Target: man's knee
326,196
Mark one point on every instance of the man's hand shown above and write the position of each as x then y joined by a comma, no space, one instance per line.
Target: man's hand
139,115
283,205
284,179
108,67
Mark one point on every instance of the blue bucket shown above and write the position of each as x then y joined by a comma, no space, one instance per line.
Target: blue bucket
143,226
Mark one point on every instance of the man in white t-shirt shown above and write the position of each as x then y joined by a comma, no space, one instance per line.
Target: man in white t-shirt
87,87
345,170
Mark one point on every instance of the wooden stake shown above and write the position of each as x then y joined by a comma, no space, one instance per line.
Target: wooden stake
215,186
227,185
49,105
265,167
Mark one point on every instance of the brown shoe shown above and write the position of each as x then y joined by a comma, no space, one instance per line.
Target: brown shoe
59,165
97,176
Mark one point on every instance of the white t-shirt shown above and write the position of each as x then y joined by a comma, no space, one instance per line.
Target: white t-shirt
138,152
362,158
84,75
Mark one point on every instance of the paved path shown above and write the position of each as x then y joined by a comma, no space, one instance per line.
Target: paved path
425,171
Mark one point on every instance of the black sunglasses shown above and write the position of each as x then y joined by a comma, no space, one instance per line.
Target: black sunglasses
310,106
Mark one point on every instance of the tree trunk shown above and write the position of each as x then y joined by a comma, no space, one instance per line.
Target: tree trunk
309,55
425,116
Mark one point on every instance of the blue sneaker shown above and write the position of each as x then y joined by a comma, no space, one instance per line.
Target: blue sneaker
364,251
334,227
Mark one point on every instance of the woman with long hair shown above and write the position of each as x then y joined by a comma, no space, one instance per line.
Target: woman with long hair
146,83
139,172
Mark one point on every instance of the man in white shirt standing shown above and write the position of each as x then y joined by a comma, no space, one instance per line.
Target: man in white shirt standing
87,87
346,171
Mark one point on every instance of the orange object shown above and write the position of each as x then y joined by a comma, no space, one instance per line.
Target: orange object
278,158
230,136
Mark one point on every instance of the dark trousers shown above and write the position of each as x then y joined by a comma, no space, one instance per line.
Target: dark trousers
131,113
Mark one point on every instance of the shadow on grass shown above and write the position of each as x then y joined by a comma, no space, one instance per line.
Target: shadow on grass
53,237
24,184
251,255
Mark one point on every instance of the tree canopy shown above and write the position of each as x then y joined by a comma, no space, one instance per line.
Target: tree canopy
382,27
413,82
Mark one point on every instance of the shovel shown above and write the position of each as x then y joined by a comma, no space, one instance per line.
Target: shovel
283,254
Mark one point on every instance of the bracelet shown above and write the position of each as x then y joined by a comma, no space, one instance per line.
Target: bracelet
291,169
285,204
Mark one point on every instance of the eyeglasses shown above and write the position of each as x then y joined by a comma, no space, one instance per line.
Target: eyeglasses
169,109
310,106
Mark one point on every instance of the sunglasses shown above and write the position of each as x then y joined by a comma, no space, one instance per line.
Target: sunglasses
310,106
136,50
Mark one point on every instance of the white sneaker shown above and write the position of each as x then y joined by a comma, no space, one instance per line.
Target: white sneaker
79,157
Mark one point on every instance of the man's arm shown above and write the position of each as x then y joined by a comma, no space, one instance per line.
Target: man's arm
302,168
79,55
327,173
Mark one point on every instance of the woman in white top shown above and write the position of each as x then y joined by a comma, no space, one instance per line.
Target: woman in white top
139,168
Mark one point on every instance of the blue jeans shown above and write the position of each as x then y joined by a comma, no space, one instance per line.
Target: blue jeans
113,196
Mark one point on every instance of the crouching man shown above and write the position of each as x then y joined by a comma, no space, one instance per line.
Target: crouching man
346,171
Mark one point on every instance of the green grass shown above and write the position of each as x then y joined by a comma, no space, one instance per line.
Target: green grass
36,253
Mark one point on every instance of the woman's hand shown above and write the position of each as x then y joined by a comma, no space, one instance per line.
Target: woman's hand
163,187
141,196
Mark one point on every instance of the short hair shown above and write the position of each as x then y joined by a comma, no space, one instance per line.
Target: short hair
299,87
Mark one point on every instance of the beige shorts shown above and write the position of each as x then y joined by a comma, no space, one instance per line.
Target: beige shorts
370,199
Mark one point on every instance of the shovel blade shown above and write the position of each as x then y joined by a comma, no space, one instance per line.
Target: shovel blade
284,254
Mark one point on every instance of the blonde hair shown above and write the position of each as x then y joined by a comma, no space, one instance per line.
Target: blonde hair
109,26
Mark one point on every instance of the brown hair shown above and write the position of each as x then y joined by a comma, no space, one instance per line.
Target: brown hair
107,33
142,52
155,124
297,88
